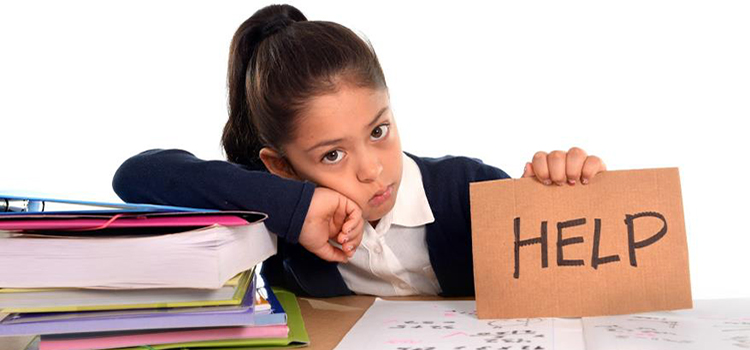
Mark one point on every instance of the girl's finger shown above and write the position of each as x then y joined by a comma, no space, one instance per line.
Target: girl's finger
539,164
332,229
352,229
349,249
358,238
342,238
329,252
556,165
339,214
353,223
574,164
528,170
343,247
592,166
354,239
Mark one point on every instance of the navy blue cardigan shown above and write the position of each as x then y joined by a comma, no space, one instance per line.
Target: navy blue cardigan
176,177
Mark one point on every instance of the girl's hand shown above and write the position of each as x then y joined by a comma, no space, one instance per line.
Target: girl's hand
559,167
332,215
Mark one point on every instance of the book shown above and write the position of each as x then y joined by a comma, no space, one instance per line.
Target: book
202,258
56,316
67,300
296,337
113,340
106,340
144,319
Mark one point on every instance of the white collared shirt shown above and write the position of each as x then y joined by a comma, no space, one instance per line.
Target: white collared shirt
392,258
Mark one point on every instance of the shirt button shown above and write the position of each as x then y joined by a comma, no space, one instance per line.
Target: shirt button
378,250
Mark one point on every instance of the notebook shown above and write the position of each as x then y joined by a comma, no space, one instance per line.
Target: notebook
67,300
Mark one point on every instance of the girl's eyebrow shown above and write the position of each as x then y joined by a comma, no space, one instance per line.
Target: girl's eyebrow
324,143
335,141
377,116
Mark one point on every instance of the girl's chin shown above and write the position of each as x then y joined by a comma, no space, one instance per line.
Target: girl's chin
375,214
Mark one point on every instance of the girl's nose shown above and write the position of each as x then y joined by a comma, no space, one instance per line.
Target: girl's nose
369,169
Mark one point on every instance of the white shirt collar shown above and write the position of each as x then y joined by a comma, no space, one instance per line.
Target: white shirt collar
411,208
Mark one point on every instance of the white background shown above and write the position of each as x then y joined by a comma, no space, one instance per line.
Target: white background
85,85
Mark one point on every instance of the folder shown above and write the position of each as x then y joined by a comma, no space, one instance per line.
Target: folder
86,221
13,203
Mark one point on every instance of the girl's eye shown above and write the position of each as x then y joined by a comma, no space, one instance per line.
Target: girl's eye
332,157
380,132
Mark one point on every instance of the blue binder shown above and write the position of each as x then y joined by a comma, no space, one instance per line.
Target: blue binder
17,203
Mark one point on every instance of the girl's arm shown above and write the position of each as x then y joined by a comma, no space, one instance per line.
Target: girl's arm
176,177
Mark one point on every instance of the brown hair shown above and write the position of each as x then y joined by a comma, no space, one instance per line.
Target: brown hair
277,61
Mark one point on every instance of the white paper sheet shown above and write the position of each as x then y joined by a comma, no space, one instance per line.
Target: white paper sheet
711,324
453,325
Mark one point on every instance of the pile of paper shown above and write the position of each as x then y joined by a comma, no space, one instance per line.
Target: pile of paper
105,276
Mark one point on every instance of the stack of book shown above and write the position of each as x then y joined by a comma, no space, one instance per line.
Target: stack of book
129,276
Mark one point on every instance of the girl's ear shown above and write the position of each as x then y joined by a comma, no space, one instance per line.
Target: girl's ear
277,164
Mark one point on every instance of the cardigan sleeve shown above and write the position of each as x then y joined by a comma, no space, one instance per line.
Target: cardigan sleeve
177,177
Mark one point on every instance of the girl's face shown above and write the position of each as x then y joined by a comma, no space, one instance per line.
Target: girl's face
347,141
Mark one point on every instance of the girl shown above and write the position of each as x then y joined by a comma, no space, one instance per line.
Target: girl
311,141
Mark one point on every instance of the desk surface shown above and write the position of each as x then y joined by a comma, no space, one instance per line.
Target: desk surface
327,320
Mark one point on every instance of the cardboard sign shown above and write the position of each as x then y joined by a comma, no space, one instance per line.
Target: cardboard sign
614,246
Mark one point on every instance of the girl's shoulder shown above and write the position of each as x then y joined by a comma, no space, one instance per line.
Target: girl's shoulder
456,169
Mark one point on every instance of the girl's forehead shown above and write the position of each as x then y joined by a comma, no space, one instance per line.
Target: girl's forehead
347,109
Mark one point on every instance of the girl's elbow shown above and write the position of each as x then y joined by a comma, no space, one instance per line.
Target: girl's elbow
131,174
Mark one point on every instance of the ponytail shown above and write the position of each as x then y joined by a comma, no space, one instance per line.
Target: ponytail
240,138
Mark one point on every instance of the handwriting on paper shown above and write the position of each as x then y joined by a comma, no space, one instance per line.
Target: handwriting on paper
438,325
666,332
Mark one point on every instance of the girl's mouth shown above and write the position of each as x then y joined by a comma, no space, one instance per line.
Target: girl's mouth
381,196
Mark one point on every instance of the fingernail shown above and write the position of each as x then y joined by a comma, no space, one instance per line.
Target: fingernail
572,182
548,182
585,181
346,239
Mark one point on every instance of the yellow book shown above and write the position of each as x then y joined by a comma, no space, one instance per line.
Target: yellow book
234,281
70,299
